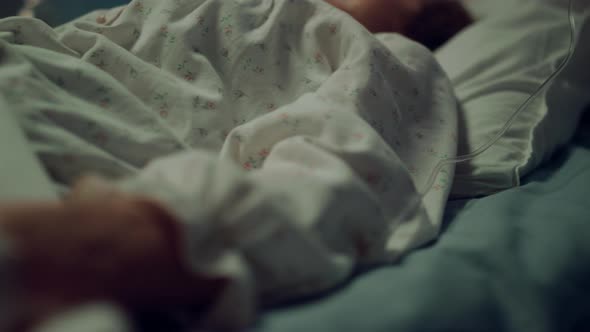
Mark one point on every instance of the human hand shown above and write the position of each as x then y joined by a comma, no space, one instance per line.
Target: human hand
99,245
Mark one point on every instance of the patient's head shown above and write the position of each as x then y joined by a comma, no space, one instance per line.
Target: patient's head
430,22
437,22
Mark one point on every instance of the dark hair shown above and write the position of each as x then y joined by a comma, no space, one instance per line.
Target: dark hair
438,22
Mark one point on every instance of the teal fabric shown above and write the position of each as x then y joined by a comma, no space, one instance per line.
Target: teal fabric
515,261
56,12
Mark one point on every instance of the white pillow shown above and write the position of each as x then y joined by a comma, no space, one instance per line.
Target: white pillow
483,8
495,65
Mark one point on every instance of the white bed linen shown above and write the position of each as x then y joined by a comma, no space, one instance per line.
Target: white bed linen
287,139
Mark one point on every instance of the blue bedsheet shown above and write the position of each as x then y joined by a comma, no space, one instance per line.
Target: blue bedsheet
515,261
56,12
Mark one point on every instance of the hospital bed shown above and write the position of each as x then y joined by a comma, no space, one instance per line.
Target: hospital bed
517,260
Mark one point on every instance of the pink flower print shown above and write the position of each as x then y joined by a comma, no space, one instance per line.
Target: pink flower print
164,31
164,108
189,77
247,166
333,28
200,20
259,70
319,58
358,136
264,153
138,6
211,105
437,187
271,107
102,65
164,113
284,116
101,19
228,30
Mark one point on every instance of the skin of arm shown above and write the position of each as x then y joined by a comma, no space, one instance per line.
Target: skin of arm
99,245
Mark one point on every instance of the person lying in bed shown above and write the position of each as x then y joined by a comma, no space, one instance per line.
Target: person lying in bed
259,187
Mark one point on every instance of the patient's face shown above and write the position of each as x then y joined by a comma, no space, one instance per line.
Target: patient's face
429,22
381,15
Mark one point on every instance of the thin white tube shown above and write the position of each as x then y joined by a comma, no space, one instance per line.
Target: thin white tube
463,158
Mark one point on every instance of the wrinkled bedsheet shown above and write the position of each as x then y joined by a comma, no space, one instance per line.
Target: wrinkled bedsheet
288,140
514,261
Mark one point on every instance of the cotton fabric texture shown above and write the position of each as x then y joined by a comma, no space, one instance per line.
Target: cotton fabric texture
288,140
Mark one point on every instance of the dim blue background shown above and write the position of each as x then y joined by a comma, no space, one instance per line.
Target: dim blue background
56,12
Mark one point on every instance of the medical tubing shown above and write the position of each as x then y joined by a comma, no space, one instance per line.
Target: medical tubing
463,158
